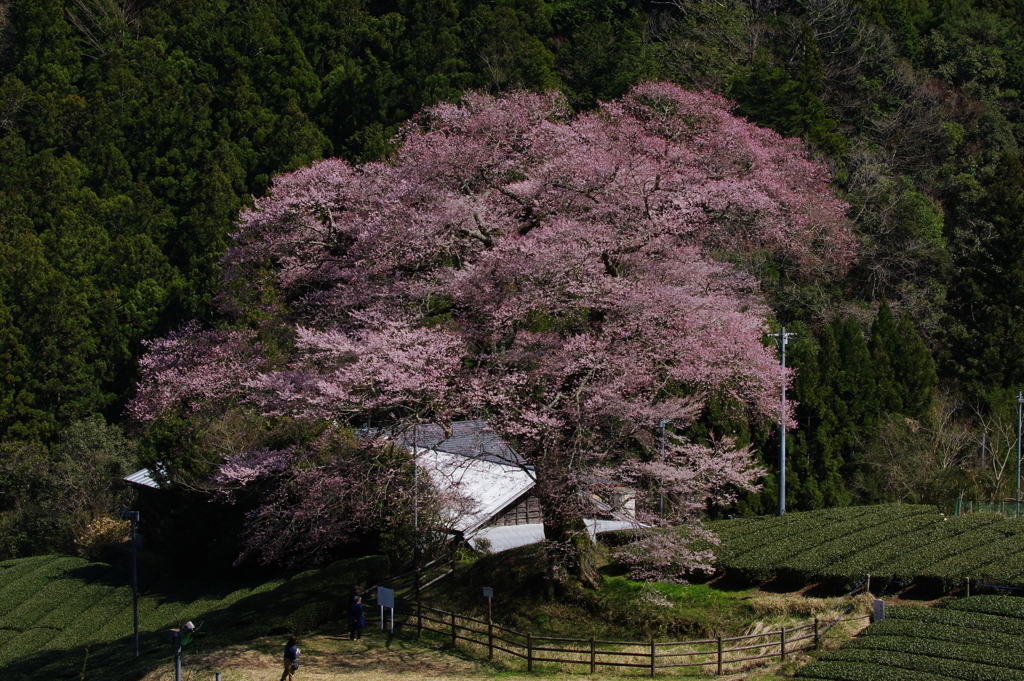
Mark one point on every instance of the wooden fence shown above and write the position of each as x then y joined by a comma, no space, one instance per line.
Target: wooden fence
650,655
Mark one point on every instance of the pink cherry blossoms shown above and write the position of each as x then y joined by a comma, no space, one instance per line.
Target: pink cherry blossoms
566,277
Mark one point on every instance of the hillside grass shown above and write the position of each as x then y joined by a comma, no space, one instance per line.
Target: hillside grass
66,618
526,599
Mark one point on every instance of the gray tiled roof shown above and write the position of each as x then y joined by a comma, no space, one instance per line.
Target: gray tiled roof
474,439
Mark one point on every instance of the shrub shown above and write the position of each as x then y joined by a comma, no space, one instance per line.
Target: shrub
95,540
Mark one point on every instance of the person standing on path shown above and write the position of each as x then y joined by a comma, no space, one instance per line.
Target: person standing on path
356,621
291,659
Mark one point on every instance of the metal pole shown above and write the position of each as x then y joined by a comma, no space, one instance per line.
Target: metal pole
135,584
782,338
782,431
1020,402
661,459
176,642
415,492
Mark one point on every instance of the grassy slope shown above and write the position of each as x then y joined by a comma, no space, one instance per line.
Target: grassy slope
62,617
55,609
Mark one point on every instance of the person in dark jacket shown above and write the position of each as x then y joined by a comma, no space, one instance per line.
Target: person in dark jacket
356,621
291,659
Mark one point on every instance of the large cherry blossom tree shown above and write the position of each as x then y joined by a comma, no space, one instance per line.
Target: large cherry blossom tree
568,278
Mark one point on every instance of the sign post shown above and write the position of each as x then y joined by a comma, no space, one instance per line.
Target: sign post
489,594
386,599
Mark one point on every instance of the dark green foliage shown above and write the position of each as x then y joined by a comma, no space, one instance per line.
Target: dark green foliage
131,134
986,328
48,495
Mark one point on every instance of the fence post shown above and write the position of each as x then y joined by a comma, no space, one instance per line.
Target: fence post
817,638
593,655
968,587
782,644
453,629
719,655
529,653
652,656
419,607
867,588
490,640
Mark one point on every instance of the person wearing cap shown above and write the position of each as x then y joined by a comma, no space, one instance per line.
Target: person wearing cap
291,659
356,621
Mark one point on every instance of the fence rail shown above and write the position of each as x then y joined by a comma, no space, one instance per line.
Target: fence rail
650,655
717,653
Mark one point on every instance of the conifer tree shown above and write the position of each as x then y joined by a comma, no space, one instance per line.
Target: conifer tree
885,350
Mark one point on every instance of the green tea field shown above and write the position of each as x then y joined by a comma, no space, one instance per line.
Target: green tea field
63,617
975,638
903,543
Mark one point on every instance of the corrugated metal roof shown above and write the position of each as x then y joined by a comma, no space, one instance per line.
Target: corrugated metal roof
484,486
142,477
505,537
508,537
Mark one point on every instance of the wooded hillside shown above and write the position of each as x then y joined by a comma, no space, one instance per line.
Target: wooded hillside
133,133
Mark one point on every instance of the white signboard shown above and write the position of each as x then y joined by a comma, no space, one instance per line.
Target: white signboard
385,597
488,592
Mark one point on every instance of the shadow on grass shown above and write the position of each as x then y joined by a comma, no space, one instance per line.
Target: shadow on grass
300,604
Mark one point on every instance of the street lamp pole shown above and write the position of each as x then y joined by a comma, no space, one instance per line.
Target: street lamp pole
133,516
782,339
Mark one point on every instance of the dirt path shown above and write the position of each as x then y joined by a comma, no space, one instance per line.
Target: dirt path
331,656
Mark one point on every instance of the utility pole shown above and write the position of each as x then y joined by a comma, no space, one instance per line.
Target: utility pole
661,459
415,490
1020,402
782,338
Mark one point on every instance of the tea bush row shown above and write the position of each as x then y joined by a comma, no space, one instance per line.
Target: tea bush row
24,584
899,542
1000,606
909,667
943,632
975,639
796,531
60,621
844,670
991,654
765,552
947,616
817,565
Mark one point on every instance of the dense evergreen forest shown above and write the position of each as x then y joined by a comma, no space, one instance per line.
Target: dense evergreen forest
134,132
